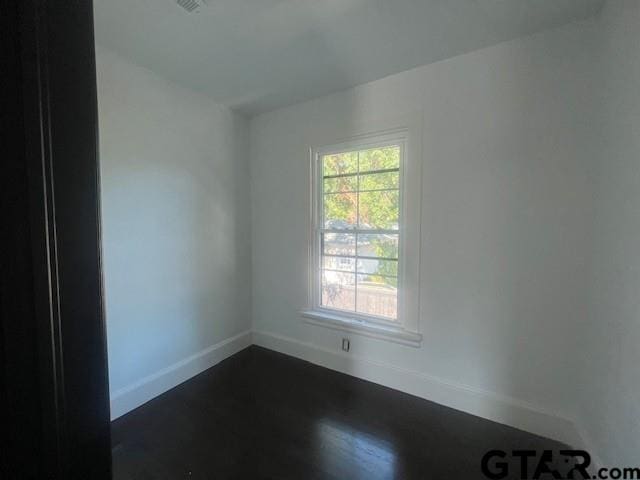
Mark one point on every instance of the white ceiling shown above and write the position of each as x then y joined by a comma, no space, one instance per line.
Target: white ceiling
258,55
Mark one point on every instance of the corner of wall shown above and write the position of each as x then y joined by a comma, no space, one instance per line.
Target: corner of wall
138,393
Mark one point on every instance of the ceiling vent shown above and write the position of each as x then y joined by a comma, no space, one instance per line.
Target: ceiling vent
191,5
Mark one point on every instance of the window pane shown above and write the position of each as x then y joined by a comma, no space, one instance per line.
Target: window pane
379,210
340,210
339,243
374,266
340,163
373,181
341,184
380,158
344,264
338,290
378,245
377,296
360,191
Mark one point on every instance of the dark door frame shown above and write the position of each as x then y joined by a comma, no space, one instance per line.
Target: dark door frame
53,373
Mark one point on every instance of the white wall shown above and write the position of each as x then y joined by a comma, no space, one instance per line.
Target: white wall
531,194
176,230
610,385
507,192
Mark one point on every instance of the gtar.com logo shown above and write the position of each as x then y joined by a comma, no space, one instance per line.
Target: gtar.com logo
546,464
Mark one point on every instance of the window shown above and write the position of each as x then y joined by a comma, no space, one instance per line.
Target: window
359,233
358,257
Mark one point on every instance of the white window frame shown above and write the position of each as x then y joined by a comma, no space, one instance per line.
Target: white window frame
406,329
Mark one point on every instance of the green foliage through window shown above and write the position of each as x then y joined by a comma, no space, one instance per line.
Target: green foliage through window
361,191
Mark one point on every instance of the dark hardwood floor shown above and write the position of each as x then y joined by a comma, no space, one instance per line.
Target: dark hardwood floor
263,415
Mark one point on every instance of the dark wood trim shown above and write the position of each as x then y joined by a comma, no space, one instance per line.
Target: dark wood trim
55,383
19,393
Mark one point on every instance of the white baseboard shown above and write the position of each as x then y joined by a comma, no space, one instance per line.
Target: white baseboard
498,408
132,396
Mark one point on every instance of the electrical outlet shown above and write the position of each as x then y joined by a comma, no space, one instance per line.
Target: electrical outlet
346,344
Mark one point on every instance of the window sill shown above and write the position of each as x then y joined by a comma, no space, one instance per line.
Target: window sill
361,327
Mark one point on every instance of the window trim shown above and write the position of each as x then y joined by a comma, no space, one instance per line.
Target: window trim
405,329
338,322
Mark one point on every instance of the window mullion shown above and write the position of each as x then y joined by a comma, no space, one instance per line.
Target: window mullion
319,263
370,231
364,257
368,172
355,269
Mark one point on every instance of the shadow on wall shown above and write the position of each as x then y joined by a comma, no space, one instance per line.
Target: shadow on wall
175,219
171,257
